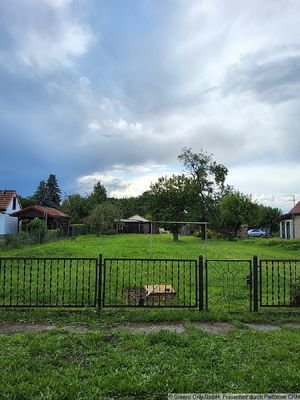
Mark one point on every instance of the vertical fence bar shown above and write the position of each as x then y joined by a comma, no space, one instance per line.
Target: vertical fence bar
99,280
200,283
255,283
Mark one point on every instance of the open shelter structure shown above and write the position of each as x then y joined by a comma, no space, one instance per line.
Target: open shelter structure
54,219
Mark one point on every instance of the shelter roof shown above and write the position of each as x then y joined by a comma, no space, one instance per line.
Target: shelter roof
5,198
135,218
41,212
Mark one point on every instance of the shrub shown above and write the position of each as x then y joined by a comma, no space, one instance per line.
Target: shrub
295,293
37,229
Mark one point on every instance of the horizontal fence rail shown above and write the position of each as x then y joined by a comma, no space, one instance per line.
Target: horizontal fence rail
48,282
279,283
150,283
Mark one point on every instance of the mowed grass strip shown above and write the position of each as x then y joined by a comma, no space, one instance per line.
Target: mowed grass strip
96,365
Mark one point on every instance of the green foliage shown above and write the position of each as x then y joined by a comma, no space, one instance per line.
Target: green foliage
207,179
41,194
103,217
295,293
37,229
27,201
98,196
236,209
76,206
48,194
53,192
170,200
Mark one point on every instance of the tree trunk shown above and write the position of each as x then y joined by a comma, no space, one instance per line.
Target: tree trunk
175,236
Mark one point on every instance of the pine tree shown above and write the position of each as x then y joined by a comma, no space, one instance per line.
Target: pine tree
54,192
41,194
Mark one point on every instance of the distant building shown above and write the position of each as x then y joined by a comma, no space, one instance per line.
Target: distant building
290,223
8,203
134,224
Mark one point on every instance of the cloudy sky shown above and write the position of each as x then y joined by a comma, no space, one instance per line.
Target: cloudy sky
112,90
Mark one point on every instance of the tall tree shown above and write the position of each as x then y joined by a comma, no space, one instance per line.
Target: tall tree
54,192
76,206
103,217
235,209
208,180
41,194
97,196
170,199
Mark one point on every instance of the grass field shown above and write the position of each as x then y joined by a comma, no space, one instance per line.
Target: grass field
159,246
104,362
48,281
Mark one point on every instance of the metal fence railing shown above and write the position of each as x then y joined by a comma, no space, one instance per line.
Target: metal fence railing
279,283
150,282
216,285
48,282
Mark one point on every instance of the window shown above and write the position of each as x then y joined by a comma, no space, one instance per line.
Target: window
14,203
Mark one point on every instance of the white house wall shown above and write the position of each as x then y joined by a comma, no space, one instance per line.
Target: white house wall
2,223
297,226
8,224
294,228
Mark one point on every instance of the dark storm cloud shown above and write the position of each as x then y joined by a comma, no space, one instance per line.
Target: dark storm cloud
272,80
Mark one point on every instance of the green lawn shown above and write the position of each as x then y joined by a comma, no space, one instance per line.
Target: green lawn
120,365
106,363
158,246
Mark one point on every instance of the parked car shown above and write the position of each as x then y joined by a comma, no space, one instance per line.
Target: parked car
257,233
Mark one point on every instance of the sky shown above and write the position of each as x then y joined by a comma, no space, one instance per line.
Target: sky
113,90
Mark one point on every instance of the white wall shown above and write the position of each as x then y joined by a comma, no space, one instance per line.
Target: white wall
8,224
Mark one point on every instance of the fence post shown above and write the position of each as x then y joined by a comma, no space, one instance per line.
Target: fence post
255,283
200,283
99,281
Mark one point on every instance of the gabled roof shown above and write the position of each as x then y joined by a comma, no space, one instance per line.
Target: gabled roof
295,209
6,197
40,211
135,218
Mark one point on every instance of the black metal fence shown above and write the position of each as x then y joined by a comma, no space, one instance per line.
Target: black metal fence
228,285
215,285
279,283
150,283
48,282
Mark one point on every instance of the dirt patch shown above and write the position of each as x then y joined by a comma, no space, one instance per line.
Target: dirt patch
213,327
263,327
25,327
153,328
295,325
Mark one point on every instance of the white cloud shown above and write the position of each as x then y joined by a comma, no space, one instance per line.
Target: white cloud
49,35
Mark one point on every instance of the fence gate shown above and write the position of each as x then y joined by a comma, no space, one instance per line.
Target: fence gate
228,285
279,283
140,282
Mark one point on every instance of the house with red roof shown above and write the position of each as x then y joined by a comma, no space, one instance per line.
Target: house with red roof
55,219
8,203
290,223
